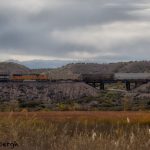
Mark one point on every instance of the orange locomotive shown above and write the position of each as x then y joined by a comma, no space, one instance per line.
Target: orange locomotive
29,77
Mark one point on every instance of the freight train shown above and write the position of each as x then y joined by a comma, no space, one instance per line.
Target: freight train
88,78
116,77
23,77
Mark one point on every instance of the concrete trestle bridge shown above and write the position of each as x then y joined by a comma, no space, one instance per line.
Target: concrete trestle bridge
126,78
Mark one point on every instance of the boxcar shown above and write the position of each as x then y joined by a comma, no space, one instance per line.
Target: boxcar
96,77
132,76
4,77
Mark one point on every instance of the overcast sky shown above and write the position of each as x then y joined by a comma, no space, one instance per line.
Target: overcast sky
100,30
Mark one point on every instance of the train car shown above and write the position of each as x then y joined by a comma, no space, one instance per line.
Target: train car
132,76
4,77
29,77
96,77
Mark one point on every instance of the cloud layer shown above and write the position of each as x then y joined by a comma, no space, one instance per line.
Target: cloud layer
99,30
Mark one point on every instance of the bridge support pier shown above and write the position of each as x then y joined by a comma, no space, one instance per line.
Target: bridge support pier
136,85
102,86
128,86
94,84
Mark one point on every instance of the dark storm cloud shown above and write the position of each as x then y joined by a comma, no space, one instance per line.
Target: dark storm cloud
28,27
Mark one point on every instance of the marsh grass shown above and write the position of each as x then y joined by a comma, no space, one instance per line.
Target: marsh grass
34,133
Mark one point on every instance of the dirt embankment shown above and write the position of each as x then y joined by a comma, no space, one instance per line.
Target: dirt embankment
45,91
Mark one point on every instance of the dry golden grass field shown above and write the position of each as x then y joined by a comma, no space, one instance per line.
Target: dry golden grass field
75,130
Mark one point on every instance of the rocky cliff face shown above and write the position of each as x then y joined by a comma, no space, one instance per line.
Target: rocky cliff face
45,91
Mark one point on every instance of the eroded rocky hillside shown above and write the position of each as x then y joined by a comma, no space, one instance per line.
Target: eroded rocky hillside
45,91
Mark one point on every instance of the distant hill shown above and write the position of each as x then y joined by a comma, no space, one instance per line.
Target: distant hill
10,67
72,71
136,67
126,67
81,68
38,64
